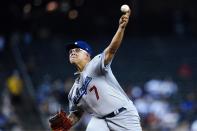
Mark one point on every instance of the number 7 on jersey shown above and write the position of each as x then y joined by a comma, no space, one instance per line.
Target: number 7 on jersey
95,90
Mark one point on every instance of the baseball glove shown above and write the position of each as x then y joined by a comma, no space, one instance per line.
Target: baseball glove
60,122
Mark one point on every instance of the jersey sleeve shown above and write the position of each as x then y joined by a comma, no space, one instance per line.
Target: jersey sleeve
99,63
73,107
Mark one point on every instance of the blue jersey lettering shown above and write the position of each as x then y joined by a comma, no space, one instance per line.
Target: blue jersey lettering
81,91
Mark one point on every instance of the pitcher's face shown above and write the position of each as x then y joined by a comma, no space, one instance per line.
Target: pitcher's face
76,55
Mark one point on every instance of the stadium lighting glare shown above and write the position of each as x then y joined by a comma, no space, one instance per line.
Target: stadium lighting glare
52,6
27,8
73,14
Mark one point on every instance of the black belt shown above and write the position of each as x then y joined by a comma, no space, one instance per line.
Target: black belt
114,113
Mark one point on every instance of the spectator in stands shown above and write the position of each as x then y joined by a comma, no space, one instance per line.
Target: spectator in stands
15,87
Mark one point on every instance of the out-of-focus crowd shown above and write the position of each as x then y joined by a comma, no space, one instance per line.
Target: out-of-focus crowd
10,95
164,102
161,105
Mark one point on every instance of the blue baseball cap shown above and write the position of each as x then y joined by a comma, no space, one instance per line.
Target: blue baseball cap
80,44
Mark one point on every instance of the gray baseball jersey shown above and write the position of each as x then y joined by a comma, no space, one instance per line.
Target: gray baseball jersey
96,90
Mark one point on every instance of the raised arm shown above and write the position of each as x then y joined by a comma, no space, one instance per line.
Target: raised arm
117,39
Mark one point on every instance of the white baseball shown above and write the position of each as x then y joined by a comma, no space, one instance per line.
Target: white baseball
124,8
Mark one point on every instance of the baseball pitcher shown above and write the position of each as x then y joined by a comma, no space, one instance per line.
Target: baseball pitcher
97,91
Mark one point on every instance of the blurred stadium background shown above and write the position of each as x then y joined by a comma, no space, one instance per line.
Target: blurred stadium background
156,64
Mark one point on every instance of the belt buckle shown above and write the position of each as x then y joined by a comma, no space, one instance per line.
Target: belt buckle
116,112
